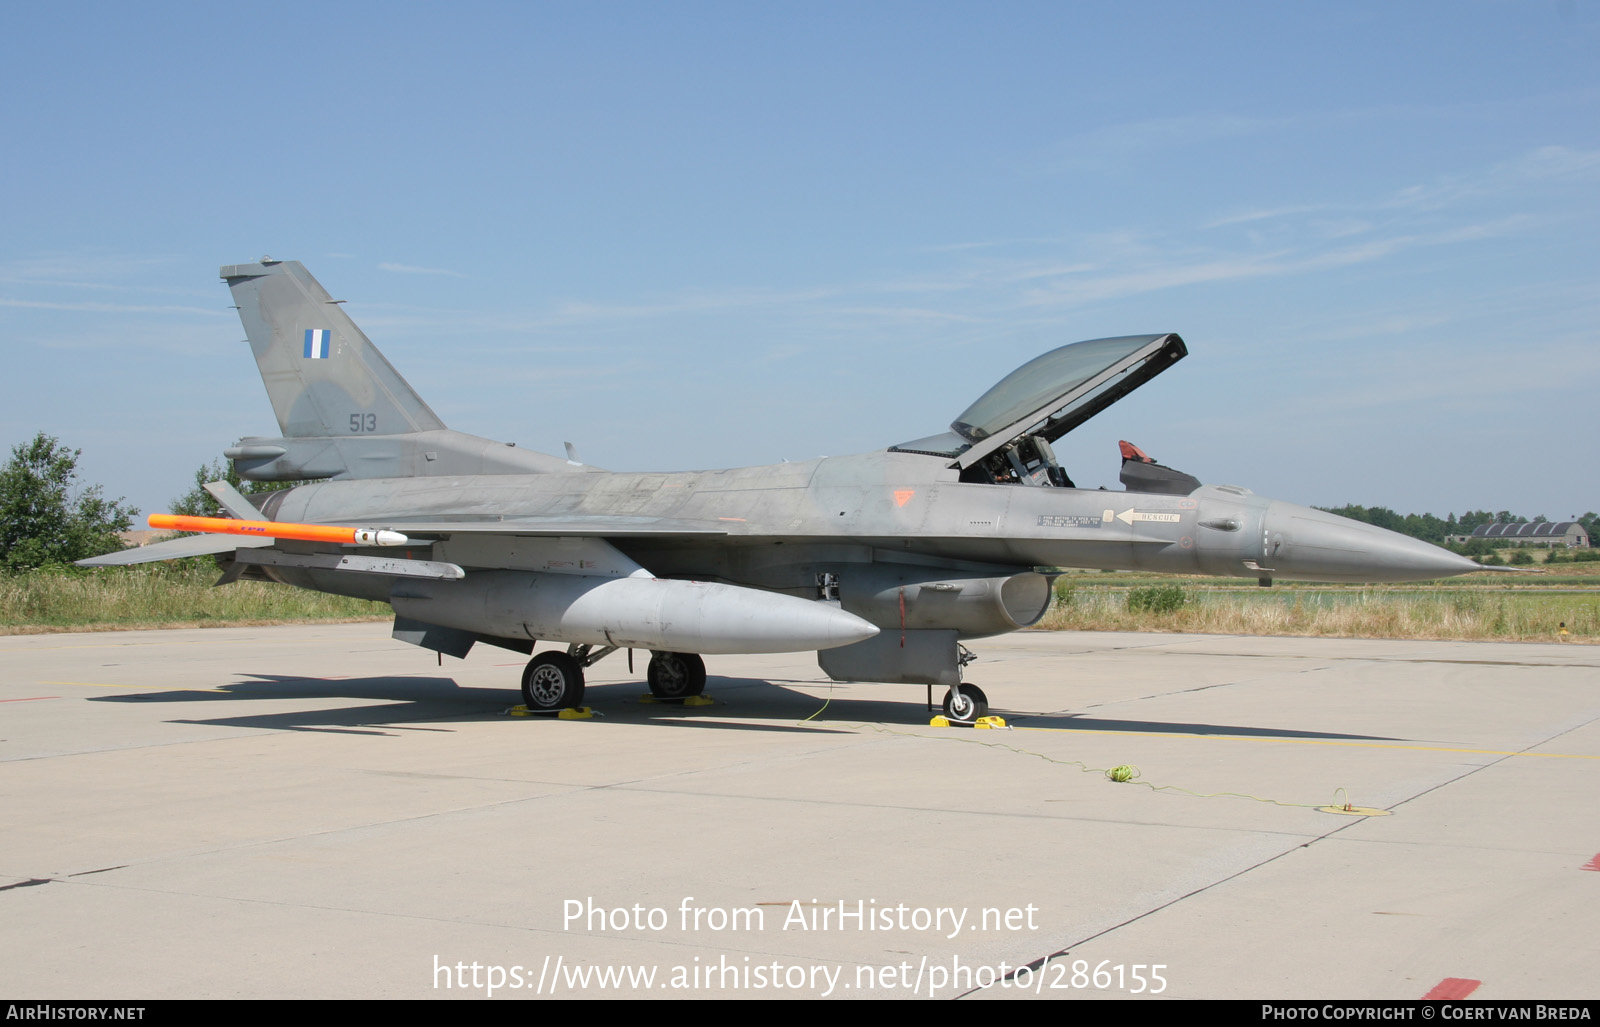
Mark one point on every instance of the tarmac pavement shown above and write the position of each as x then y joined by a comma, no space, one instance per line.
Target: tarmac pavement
321,811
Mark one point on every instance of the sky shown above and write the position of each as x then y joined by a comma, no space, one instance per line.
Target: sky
688,235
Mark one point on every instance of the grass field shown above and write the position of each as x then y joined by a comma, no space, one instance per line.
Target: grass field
1536,605
161,595
1553,606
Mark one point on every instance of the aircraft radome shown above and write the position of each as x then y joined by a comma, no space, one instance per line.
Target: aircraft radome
884,563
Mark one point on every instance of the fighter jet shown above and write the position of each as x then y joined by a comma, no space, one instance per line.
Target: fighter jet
884,563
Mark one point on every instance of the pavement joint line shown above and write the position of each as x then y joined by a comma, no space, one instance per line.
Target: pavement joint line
562,789
1468,772
302,836
1040,963
397,914
1043,961
142,688
644,789
136,746
1309,741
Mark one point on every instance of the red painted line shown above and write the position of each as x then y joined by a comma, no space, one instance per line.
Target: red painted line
1593,864
1452,988
32,698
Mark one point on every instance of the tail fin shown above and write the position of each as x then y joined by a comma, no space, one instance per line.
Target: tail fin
324,377
344,411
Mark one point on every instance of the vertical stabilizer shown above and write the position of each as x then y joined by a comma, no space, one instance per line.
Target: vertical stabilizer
324,377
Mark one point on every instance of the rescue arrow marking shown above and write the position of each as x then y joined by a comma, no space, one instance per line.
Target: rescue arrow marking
1129,516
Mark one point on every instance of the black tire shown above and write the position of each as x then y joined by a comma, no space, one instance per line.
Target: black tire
552,681
966,706
676,675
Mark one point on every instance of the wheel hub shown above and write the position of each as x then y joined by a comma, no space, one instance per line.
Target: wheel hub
547,684
672,675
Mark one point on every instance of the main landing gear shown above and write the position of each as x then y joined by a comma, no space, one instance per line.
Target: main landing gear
676,675
554,680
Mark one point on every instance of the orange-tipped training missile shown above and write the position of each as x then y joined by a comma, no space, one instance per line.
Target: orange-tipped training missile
280,529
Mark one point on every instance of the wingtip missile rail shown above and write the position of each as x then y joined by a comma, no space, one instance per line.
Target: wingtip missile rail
280,529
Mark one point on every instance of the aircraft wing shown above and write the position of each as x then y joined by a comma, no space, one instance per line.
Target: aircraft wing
176,549
591,527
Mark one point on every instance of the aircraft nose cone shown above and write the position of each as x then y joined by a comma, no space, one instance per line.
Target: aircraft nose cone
1309,545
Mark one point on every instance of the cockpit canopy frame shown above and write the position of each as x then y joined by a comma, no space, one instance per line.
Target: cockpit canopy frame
1052,394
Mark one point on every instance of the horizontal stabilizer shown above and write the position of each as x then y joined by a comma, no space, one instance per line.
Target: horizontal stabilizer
176,549
232,500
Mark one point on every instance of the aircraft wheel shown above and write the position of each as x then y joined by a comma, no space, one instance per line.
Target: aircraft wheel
552,681
676,675
964,704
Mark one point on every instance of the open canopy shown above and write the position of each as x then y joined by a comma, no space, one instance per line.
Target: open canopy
1052,394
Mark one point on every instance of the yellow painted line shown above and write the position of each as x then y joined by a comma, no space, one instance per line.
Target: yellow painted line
142,688
1305,741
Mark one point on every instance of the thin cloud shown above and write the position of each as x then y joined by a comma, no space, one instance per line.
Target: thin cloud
79,266
693,303
1547,163
1469,383
1270,214
109,308
907,314
1555,162
1341,228
952,247
1114,144
1278,263
89,271
412,269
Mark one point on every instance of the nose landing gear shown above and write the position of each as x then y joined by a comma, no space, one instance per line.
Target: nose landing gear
965,704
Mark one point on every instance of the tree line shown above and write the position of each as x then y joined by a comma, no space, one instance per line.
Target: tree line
1433,529
49,518
46,516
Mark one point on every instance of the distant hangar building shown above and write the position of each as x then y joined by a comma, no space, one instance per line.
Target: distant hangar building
1534,533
